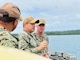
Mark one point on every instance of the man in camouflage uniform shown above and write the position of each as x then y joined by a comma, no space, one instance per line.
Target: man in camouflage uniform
27,41
41,36
9,16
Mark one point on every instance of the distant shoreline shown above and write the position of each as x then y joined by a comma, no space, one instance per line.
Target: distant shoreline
68,32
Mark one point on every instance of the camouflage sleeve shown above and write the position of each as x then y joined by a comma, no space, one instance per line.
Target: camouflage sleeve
9,43
33,50
24,44
46,37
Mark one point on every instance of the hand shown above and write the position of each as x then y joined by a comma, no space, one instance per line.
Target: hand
46,55
42,45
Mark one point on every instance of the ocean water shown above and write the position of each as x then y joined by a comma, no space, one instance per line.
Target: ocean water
65,43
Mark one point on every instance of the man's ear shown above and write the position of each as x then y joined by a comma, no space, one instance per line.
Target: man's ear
15,22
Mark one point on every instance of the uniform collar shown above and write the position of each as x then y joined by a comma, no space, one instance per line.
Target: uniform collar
2,28
27,32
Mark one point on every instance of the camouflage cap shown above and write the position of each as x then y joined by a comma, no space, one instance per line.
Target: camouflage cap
30,19
11,9
41,21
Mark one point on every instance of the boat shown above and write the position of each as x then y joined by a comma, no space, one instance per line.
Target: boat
7,53
62,56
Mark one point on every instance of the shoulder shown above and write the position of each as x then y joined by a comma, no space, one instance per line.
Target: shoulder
34,34
23,34
7,36
44,34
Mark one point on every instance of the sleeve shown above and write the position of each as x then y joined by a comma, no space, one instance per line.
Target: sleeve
46,37
33,50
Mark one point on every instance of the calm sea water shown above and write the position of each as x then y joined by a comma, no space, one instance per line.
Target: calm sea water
65,43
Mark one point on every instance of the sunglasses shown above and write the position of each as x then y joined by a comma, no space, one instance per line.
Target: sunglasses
42,25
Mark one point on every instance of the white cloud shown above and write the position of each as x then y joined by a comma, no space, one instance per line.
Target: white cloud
46,4
55,12
59,5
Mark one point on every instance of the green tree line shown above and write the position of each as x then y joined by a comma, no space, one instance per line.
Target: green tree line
69,32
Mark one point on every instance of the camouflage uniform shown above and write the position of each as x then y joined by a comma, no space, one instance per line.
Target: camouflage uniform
40,39
27,42
6,39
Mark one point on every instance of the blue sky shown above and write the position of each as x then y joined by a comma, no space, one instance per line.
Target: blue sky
60,15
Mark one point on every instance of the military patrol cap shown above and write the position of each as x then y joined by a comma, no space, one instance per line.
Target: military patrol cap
41,21
11,9
30,19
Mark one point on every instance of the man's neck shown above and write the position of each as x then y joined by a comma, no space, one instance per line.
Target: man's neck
40,33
